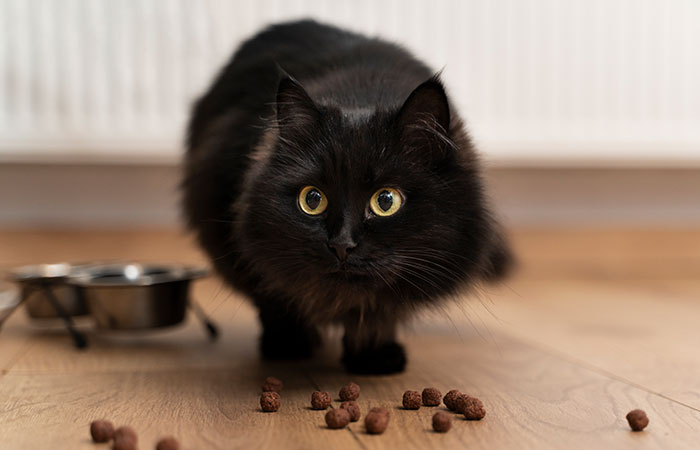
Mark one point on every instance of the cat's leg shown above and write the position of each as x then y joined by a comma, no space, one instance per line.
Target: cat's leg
285,335
370,347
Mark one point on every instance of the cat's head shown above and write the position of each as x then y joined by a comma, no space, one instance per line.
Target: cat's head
387,203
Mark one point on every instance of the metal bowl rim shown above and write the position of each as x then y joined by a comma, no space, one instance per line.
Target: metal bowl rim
86,277
32,273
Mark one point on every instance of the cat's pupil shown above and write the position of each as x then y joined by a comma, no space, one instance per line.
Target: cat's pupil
313,198
385,199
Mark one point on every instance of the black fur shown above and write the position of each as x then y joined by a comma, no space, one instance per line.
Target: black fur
308,104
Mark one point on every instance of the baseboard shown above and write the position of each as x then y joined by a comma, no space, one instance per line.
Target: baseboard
113,196
591,197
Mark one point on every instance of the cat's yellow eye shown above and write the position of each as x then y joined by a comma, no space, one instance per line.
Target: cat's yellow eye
312,201
385,202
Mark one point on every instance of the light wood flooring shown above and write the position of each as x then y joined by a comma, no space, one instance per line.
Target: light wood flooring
594,324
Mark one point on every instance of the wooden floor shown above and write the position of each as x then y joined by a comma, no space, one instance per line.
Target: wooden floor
594,324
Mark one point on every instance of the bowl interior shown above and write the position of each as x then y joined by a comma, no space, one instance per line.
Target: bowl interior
128,274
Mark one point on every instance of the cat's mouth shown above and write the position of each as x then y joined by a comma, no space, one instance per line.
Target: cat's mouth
349,277
346,272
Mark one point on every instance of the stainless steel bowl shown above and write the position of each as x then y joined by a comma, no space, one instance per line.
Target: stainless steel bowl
35,278
136,296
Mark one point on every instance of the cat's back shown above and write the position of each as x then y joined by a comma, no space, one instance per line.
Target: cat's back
248,82
333,64
292,42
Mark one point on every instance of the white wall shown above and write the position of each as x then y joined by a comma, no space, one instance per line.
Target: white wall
541,82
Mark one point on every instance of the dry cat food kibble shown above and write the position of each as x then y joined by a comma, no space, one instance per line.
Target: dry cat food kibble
320,400
350,391
272,384
472,408
379,410
101,431
337,418
459,402
125,432
431,397
270,401
125,439
442,422
637,419
168,443
376,420
124,444
353,409
412,400
450,399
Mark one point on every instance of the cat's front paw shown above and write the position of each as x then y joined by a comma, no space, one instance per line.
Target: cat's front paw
289,345
382,360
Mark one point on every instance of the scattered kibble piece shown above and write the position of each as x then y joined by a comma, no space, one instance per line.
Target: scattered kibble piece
442,422
168,443
637,419
450,400
473,409
379,410
270,401
101,430
376,420
126,432
459,402
125,438
431,397
350,391
124,444
353,409
337,418
412,400
272,384
320,400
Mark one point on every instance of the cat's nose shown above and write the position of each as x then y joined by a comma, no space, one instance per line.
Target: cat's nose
341,247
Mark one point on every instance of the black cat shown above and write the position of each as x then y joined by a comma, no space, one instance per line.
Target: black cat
329,178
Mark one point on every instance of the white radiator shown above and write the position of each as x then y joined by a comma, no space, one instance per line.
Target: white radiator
539,81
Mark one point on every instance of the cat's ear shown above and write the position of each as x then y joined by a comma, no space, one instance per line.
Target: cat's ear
295,109
425,114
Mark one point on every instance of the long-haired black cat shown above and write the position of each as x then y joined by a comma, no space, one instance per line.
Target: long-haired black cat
331,180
